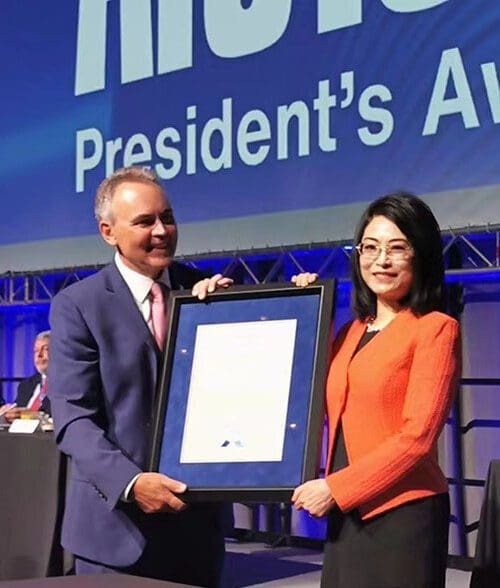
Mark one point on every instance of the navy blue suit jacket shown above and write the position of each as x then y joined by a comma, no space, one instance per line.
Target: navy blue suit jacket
25,392
103,373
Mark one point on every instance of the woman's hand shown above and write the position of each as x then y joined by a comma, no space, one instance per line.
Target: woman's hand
314,497
304,279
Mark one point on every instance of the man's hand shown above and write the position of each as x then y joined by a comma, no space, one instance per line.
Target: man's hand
204,287
157,493
14,413
304,279
313,496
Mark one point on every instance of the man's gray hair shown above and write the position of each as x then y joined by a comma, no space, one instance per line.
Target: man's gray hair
106,190
42,335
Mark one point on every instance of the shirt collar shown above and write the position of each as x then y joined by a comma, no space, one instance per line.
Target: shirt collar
139,284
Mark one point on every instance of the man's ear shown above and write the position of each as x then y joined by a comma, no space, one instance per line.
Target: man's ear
107,233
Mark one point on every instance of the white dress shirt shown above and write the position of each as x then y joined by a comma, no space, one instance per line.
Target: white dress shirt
36,391
140,286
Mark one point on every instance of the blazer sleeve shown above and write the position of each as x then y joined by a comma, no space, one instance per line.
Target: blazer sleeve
430,392
77,403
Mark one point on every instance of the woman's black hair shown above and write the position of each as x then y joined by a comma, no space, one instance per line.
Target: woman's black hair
415,220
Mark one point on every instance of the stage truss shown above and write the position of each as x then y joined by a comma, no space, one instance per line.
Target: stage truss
469,257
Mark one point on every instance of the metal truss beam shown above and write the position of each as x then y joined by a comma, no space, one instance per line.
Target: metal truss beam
474,255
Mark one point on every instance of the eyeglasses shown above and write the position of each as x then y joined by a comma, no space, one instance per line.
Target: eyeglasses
395,251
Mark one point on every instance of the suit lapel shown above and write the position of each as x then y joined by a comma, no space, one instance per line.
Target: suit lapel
355,335
124,303
181,277
379,342
342,361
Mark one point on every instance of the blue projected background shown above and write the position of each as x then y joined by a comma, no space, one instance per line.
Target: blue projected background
270,122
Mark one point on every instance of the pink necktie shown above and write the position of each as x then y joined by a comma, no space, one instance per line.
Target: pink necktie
37,401
158,314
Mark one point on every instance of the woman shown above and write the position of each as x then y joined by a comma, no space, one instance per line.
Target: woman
390,387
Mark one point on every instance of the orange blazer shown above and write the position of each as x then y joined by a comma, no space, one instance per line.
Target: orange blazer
392,398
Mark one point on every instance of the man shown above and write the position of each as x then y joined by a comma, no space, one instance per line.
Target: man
103,372
32,392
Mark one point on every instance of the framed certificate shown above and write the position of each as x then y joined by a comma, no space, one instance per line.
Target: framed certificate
240,407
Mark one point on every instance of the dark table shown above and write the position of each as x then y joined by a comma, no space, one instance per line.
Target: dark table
32,499
486,572
111,581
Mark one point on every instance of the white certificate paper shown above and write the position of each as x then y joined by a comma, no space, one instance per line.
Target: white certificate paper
238,393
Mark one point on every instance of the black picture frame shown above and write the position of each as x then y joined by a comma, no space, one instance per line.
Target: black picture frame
264,323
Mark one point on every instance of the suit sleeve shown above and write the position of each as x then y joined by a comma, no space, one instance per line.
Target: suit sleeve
78,405
20,401
25,390
431,386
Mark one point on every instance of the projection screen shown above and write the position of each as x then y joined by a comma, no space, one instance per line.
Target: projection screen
271,123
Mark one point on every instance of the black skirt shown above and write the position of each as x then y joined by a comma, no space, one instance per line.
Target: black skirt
405,547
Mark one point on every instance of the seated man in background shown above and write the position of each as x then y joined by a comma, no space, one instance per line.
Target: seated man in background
32,392
3,407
